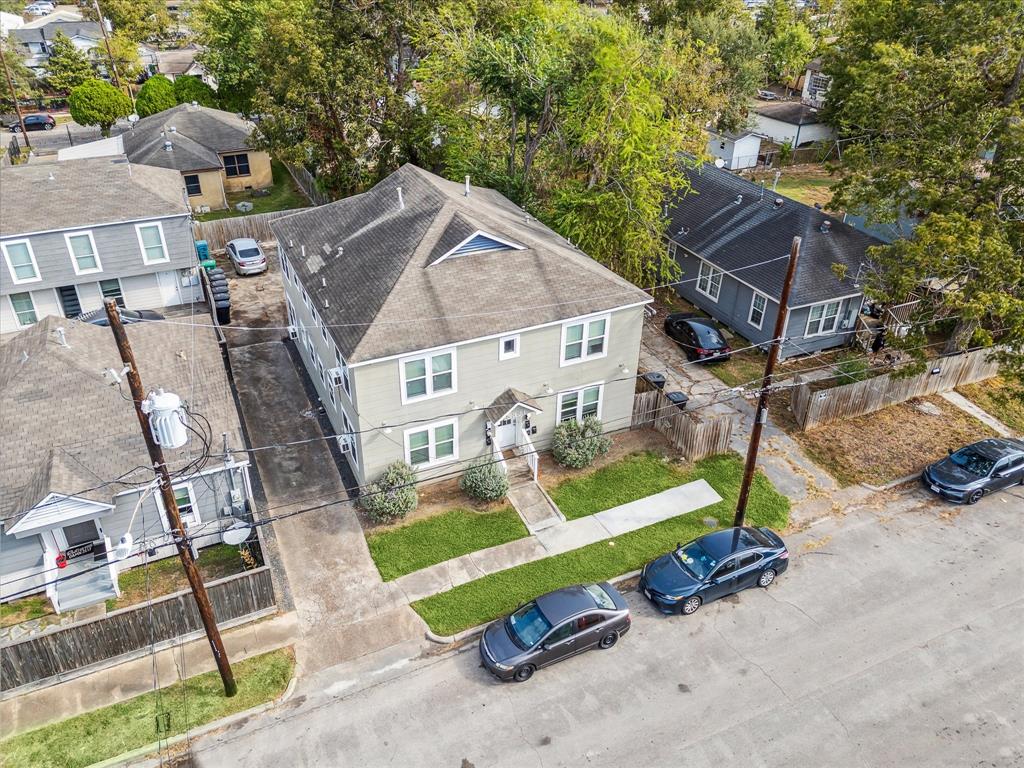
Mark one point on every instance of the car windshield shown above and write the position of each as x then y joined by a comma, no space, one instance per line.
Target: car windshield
602,598
708,336
249,253
697,561
972,461
528,625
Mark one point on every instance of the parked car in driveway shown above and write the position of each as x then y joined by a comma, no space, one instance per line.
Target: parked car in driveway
700,337
39,122
128,316
976,470
765,95
39,9
713,566
246,256
554,627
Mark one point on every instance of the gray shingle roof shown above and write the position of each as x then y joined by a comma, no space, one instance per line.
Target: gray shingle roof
184,155
508,400
48,31
789,112
66,429
376,260
199,134
84,193
733,236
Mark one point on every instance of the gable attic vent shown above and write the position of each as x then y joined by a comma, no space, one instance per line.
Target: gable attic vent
826,226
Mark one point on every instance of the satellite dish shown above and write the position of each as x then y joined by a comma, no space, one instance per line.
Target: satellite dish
719,162
236,534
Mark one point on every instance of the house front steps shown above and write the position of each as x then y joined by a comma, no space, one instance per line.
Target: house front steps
534,506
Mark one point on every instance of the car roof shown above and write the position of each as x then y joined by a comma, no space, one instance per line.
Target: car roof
997,447
721,544
563,603
244,242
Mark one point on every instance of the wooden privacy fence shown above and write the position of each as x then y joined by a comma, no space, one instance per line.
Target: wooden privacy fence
130,630
693,436
816,407
218,232
307,183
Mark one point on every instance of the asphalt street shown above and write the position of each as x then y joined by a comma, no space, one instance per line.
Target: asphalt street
896,638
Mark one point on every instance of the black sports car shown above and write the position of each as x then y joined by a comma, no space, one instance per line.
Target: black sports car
976,470
699,337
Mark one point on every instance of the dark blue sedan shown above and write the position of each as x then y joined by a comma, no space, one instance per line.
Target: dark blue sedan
713,566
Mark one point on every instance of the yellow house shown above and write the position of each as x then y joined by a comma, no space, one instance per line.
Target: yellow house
209,147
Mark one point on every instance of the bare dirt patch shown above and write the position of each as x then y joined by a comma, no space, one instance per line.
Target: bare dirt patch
257,301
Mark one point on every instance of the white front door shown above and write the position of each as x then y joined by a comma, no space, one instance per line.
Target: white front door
507,433
167,282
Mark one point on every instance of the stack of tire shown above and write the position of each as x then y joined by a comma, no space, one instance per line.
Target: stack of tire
219,295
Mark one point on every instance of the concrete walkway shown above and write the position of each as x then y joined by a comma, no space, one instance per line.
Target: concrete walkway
981,415
566,536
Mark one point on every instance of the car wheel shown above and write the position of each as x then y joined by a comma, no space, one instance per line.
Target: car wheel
691,605
524,673
47,127
975,497
766,578
608,640
15,129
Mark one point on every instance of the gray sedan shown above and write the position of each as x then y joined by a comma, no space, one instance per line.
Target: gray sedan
554,627
976,470
246,256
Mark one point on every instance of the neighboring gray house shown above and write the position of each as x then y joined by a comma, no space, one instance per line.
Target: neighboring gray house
73,233
37,38
73,462
440,322
723,231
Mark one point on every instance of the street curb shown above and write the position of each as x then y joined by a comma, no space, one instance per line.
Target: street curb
893,484
466,634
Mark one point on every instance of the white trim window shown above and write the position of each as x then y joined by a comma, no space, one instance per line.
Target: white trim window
432,444
585,340
427,376
24,309
578,404
188,507
152,243
508,347
822,318
345,378
709,281
82,248
111,289
758,305
21,261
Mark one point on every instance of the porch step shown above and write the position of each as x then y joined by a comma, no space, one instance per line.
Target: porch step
89,588
534,507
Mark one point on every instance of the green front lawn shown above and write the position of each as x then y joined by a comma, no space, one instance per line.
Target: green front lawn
24,609
628,479
742,368
997,398
284,196
495,595
435,539
111,731
166,575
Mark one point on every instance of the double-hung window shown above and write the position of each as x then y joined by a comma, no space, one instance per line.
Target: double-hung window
428,375
21,261
151,240
192,186
83,252
433,444
346,381
709,281
758,304
822,318
188,508
578,404
236,165
24,308
584,340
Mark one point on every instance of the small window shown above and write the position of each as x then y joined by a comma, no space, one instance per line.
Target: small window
236,165
111,289
588,621
709,281
83,253
749,559
725,569
21,261
509,348
24,309
192,186
559,634
584,340
151,240
758,303
822,318
188,509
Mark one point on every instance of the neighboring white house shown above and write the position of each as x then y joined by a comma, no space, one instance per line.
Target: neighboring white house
9,21
736,150
790,122
37,37
815,86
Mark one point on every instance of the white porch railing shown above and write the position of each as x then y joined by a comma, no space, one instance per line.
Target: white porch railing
112,565
498,458
50,565
531,455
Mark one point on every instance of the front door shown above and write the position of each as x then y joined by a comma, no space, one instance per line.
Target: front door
506,432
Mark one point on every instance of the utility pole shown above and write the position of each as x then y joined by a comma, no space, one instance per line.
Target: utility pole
156,455
14,97
761,414
110,53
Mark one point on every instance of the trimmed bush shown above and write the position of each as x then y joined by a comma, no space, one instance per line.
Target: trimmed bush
576,444
484,480
393,495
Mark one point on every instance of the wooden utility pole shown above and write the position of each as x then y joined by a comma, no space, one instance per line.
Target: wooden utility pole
14,96
110,53
156,455
761,414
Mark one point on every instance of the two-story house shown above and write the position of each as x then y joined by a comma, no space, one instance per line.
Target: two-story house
440,322
37,37
72,234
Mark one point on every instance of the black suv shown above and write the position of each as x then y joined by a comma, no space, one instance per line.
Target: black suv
34,123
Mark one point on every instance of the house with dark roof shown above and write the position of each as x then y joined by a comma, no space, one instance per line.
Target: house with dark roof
440,323
73,464
208,147
75,233
731,238
37,37
790,122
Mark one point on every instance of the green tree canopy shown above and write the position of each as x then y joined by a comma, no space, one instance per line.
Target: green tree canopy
97,102
788,41
139,20
23,78
68,66
188,88
156,95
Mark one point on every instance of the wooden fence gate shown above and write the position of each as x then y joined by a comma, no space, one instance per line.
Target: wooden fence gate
693,436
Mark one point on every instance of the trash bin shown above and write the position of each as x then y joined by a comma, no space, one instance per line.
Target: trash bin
202,250
679,399
207,264
219,282
655,378
220,296
215,272
223,312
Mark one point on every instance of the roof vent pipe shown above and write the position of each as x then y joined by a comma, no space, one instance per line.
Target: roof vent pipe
739,199
762,189
778,202
467,185
173,129
826,226
168,146
61,338
401,200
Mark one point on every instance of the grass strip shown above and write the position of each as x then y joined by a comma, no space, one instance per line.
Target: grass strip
111,731
435,539
284,196
495,595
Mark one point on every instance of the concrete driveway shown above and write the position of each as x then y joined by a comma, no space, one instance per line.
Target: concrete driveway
895,639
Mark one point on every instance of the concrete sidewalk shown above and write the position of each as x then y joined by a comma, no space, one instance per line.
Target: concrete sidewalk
965,405
572,534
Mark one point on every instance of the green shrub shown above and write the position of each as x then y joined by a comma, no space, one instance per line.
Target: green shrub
484,480
576,444
393,495
854,369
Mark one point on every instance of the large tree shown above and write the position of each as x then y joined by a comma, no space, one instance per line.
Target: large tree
139,20
188,88
97,102
929,95
68,65
156,95
23,78
788,41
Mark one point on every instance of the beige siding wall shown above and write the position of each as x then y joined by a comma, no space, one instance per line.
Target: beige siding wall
260,174
211,185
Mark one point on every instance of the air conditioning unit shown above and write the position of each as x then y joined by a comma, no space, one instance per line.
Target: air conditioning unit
293,332
337,377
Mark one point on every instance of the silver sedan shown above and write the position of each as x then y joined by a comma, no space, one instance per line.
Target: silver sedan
246,256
